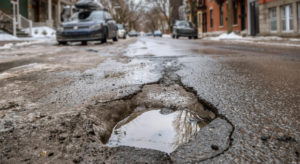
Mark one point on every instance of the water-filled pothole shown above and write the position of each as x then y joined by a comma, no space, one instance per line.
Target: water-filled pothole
159,117
158,129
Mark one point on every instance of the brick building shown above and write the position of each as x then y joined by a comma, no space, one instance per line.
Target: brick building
217,15
212,15
279,17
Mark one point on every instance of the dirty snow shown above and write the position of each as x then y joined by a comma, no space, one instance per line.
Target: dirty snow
33,67
262,40
5,37
226,36
42,32
150,47
6,46
22,44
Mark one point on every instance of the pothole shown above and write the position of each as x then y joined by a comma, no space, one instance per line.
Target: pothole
160,117
158,129
164,116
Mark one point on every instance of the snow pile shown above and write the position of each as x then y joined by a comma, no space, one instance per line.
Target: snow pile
225,36
7,46
22,44
166,36
6,36
42,32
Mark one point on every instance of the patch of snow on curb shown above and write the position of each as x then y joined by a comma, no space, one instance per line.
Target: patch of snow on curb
6,37
225,36
7,46
42,32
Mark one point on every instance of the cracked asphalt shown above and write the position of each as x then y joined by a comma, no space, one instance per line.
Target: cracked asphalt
59,104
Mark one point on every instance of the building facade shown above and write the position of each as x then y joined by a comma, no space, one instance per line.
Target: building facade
40,12
212,15
218,13
279,17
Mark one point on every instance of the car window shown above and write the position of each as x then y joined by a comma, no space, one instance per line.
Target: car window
108,16
88,15
183,24
120,26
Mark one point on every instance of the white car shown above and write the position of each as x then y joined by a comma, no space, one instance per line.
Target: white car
121,31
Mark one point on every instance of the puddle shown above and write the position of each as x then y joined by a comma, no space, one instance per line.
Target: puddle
162,130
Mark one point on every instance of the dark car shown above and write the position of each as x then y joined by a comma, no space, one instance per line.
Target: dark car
157,34
88,25
184,29
133,33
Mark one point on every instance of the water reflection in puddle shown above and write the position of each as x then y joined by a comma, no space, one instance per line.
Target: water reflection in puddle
156,129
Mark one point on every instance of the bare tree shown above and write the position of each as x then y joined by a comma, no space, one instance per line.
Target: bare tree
126,12
163,7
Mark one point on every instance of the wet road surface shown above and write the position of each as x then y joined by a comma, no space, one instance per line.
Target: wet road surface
61,103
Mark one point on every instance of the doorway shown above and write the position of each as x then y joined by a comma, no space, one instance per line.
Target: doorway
243,15
36,11
204,22
254,22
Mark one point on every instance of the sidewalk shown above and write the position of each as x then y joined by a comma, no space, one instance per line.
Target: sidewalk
39,35
267,40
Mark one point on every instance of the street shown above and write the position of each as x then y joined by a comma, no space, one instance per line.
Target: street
60,104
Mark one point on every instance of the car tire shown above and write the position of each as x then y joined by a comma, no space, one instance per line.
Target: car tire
104,39
173,36
190,37
84,42
62,43
195,37
115,39
177,36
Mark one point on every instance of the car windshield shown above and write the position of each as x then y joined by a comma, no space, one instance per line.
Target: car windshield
157,32
120,26
183,24
88,16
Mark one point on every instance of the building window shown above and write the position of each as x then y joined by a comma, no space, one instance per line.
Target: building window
221,15
273,19
235,14
287,18
211,18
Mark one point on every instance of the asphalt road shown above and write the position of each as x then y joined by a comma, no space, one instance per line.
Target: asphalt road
59,104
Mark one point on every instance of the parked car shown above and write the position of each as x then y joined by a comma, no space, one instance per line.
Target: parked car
157,33
88,25
121,31
133,33
184,29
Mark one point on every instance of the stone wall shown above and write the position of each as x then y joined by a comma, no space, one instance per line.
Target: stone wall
264,21
6,24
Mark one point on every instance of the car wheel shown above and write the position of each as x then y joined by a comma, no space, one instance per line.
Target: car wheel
104,39
190,37
115,39
124,37
177,36
195,37
83,42
62,43
173,36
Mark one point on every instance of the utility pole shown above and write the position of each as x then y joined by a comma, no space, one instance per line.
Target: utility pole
229,16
